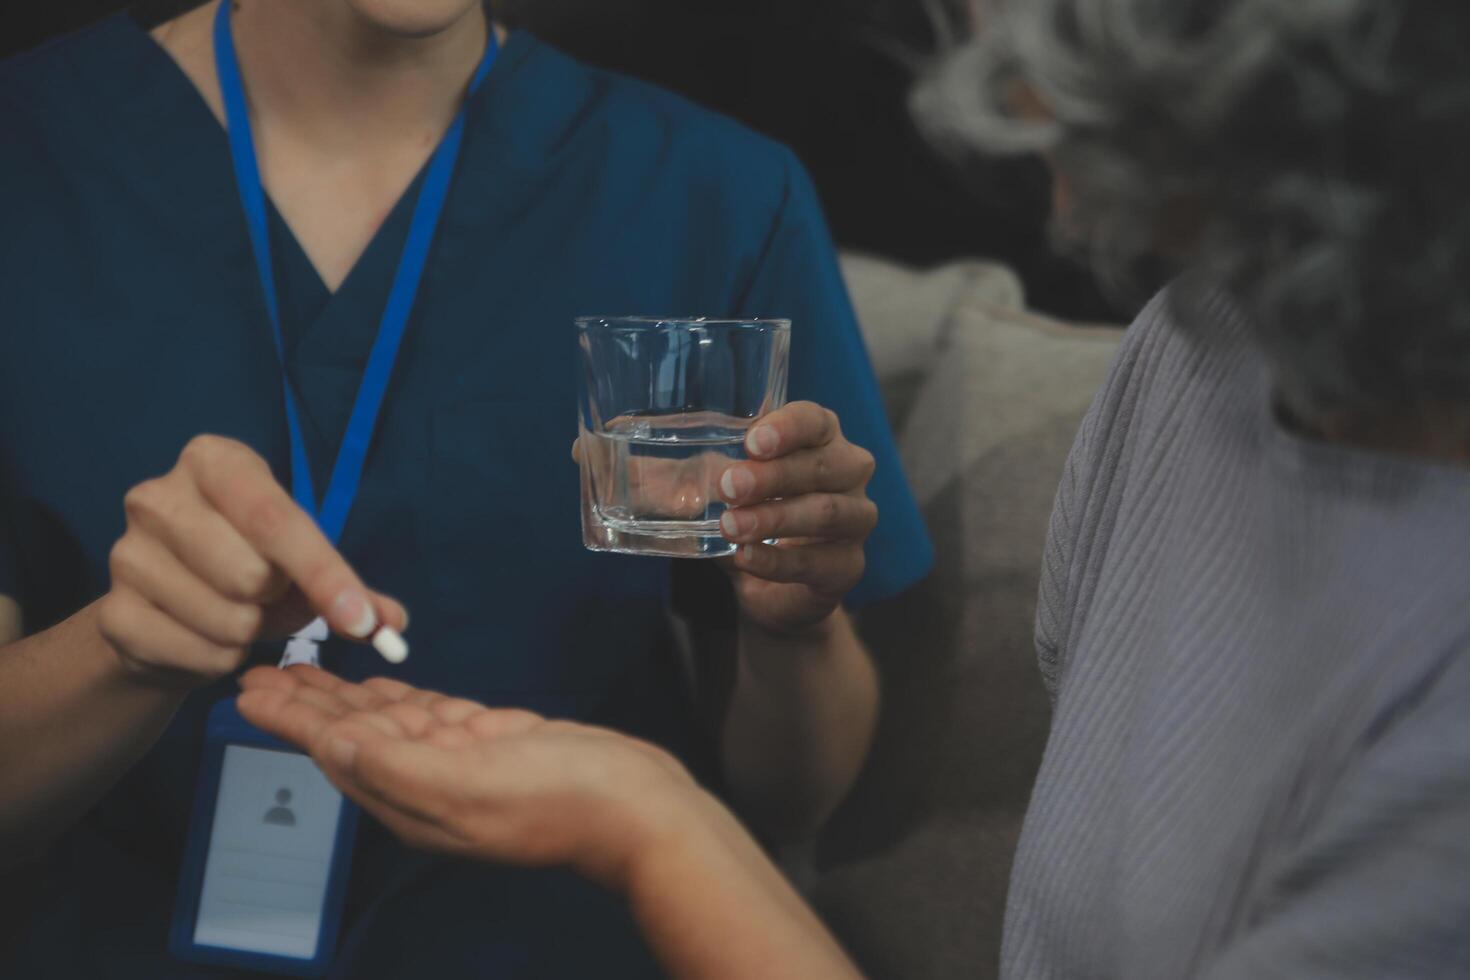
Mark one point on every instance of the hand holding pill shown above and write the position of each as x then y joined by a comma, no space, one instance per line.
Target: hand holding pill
217,556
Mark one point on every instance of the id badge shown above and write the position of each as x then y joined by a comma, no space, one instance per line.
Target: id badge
266,862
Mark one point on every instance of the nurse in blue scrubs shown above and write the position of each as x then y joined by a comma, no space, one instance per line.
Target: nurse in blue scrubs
151,545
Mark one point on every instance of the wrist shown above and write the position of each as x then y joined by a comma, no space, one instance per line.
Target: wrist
649,827
769,636
126,673
770,652
685,833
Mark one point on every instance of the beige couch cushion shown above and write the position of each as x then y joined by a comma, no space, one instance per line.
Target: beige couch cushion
905,311
912,872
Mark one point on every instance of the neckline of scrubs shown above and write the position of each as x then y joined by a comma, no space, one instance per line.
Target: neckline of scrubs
517,125
179,108
327,334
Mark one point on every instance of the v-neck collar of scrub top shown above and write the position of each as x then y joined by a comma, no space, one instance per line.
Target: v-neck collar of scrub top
513,129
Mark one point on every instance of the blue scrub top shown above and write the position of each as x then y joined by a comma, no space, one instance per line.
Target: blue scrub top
132,320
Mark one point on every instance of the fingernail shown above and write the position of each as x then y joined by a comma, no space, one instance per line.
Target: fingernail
355,613
747,551
342,752
392,646
762,440
736,483
736,523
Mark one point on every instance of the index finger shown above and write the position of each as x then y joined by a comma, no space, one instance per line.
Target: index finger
800,425
240,485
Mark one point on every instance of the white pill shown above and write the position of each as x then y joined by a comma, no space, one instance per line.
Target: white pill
390,644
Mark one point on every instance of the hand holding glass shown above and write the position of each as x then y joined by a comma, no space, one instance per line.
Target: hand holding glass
664,409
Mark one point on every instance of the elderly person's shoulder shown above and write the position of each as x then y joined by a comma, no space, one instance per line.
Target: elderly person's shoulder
1188,347
1185,329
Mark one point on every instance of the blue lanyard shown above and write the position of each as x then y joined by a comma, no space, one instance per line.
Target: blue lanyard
347,470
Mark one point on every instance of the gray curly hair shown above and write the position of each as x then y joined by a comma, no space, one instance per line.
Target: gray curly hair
1310,156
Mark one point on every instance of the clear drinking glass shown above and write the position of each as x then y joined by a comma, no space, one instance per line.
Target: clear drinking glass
664,408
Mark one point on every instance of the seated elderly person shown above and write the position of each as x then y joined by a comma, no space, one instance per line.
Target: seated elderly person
1253,617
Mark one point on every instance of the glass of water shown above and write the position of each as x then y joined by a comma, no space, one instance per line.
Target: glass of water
664,408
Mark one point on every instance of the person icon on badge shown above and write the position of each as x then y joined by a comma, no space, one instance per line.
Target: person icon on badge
281,814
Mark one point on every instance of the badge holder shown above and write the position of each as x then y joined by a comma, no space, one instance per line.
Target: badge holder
266,863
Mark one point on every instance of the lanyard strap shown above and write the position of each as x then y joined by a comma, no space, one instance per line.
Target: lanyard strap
347,469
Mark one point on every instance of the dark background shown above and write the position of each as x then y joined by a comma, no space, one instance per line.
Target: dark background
830,78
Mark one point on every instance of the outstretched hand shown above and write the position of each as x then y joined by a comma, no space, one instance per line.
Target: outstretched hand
447,774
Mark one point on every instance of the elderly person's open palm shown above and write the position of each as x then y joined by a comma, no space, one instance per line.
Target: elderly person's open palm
448,774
